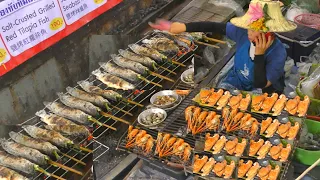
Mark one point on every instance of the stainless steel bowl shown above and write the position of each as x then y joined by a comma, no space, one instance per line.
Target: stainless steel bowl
148,112
164,93
185,74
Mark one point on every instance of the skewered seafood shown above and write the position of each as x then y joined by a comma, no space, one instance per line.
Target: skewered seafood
219,145
272,128
234,101
210,141
240,147
229,170
205,94
17,163
144,51
113,81
275,151
265,124
255,146
269,102
263,151
90,88
8,174
279,105
264,172
285,152
283,129
274,173
219,168
40,145
223,101
303,106
244,103
244,168
139,138
292,105
126,63
214,97
138,58
208,167
161,44
293,131
253,171
121,72
24,152
258,100
80,104
47,135
199,163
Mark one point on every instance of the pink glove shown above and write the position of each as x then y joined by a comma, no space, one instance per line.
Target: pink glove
161,24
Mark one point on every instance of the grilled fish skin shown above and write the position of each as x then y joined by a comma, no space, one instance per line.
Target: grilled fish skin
28,153
17,163
93,98
69,130
67,112
121,72
108,94
178,39
144,60
161,44
47,135
40,145
80,104
8,174
126,63
52,119
144,51
113,81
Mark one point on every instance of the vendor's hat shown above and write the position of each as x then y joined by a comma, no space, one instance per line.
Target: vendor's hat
264,15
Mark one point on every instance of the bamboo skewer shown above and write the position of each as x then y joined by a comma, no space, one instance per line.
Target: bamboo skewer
119,109
214,40
161,76
64,167
146,80
309,169
85,149
132,102
177,63
101,124
211,45
168,70
39,169
74,159
114,117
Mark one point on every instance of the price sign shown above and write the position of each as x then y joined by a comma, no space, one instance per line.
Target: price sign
4,55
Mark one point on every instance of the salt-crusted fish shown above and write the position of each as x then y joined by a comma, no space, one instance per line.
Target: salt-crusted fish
113,81
144,60
17,163
9,174
48,135
82,104
181,40
145,51
121,72
40,145
126,63
161,44
106,93
28,153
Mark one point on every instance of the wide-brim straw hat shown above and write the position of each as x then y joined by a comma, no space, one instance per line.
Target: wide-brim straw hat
265,16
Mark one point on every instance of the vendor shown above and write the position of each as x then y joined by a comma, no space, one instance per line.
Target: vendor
260,57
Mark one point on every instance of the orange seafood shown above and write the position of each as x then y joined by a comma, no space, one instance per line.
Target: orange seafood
210,141
292,105
264,172
234,101
244,168
303,106
229,170
274,173
223,101
212,124
240,147
186,153
219,145
218,169
283,129
272,128
275,151
265,124
255,146
269,102
132,133
149,145
254,127
258,100
263,151
285,152
252,172
279,105
230,146
198,122
215,96
199,163
244,103
293,131
205,94
208,167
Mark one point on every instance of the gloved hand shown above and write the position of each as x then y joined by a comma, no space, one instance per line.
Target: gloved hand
161,24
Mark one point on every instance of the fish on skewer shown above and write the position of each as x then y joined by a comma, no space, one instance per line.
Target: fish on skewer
113,81
162,44
121,72
144,60
145,51
9,174
62,125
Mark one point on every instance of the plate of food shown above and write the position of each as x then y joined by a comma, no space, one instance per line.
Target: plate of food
164,99
188,76
152,117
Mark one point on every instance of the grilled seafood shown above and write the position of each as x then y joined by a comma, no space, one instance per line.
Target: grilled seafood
205,94
210,141
139,138
212,121
52,119
229,170
292,105
252,172
279,105
230,146
244,103
293,131
69,130
219,145
121,72
275,151
285,152
244,168
240,147
40,145
303,106
199,163
161,44
223,101
145,51
113,81
272,128
47,135
258,101
255,146
234,101
274,173
17,163
269,102
214,97
8,174
265,124
263,151
24,152
219,168
126,63
80,104
138,58
283,129
208,167
264,172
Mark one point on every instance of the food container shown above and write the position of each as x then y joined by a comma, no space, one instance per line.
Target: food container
164,93
185,74
149,112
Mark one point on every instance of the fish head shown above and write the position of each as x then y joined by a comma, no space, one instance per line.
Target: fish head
46,103
133,47
102,64
97,72
84,83
114,56
69,89
41,113
121,51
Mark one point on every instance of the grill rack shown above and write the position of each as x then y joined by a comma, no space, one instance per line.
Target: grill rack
99,131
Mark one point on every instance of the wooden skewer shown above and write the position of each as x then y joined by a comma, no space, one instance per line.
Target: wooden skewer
168,70
309,169
126,112
102,124
64,167
114,117
214,40
211,45
177,63
144,79
132,102
160,76
85,149
47,173
74,159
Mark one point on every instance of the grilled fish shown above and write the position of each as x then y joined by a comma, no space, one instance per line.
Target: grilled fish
40,145
113,81
90,88
121,72
161,44
93,98
8,174
48,135
24,152
126,63
61,124
183,40
145,51
77,103
17,163
67,112
144,60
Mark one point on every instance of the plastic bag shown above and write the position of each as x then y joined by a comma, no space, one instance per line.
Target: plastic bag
230,4
311,5
288,66
307,87
303,68
294,11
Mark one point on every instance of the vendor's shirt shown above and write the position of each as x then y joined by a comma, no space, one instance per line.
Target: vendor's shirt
241,76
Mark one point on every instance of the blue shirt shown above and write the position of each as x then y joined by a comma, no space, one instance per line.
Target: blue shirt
241,76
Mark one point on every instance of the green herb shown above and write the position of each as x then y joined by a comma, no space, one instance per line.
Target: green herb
273,164
284,142
291,120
